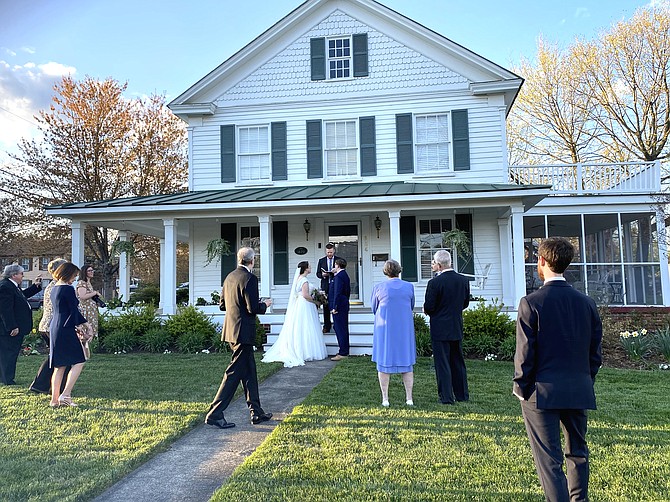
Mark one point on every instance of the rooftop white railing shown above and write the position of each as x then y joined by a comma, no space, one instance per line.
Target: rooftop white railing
583,178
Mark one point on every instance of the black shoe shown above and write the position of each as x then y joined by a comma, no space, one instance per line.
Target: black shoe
257,419
38,391
221,423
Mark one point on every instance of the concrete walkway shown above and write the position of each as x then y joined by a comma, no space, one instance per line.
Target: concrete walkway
200,462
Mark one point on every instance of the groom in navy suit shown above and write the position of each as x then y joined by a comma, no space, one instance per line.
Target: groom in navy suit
558,353
340,290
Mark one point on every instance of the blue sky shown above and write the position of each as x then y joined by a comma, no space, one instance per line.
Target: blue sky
166,46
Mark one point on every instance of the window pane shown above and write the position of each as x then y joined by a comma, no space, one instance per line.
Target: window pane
643,285
604,284
341,145
432,143
430,241
569,227
601,232
640,238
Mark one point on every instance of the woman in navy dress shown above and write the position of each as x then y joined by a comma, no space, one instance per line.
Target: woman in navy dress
66,349
393,342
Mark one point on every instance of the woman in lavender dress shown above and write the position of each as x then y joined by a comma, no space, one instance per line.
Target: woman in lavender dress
393,343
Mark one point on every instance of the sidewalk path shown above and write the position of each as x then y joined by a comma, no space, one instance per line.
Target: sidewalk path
199,462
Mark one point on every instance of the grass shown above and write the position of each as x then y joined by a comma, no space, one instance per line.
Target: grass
339,444
131,407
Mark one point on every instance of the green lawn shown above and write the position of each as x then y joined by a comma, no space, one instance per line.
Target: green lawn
340,444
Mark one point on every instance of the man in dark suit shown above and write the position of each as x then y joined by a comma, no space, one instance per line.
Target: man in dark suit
16,319
340,290
324,271
558,353
447,295
239,299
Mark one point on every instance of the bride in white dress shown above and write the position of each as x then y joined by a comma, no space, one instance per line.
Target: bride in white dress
300,338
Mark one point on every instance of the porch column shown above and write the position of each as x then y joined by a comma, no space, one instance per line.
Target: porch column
78,228
266,260
663,255
161,262
169,267
394,233
505,237
517,255
124,270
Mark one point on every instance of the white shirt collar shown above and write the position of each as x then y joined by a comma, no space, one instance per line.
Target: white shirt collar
557,278
15,283
249,269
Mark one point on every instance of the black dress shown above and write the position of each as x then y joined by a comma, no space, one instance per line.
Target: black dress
66,348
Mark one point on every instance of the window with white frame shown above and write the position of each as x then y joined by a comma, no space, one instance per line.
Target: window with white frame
339,58
430,241
432,143
341,148
45,263
25,263
254,153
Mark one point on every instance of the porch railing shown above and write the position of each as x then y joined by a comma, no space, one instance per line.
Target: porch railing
583,178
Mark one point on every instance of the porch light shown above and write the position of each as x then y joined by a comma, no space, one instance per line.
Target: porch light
378,225
307,226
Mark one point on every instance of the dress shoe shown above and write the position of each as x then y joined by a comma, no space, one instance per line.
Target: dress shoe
385,404
326,330
221,423
338,357
38,391
263,417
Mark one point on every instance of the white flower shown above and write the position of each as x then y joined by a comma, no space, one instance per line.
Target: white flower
664,366
205,351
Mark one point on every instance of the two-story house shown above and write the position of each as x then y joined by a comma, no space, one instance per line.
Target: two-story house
349,122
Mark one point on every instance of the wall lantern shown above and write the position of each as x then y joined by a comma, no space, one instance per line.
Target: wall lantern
307,226
378,225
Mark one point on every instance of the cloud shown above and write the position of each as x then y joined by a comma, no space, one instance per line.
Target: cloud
24,90
582,12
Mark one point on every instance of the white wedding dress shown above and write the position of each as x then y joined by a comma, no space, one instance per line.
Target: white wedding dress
300,338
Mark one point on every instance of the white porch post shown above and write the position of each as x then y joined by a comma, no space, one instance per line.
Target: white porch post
266,261
394,233
161,261
78,228
124,270
169,268
663,255
505,237
517,252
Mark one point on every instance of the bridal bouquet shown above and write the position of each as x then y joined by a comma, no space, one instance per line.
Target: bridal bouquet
319,297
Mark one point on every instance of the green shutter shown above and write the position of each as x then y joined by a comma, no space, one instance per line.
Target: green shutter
408,257
279,164
229,262
318,58
314,151
280,251
466,264
368,146
404,143
360,43
228,154
461,135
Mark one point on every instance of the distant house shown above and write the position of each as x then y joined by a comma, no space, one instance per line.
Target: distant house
348,122
34,256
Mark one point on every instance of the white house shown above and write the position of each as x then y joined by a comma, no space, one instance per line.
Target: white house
348,122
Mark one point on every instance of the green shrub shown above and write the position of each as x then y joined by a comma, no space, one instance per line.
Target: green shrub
487,320
136,320
219,345
120,341
422,336
147,294
182,296
200,301
189,321
480,344
37,317
261,335
156,339
662,342
507,348
193,341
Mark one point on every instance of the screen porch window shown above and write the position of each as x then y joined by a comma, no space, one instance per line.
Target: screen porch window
430,241
339,58
254,154
432,143
341,149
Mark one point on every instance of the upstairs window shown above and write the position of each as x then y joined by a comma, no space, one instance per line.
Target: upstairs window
339,58
341,149
26,263
432,143
45,263
254,154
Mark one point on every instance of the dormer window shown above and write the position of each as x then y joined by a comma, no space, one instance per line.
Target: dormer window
339,58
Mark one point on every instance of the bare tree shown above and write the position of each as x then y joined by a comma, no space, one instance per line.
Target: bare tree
96,145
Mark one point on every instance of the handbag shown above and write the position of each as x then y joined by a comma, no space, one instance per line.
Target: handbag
99,301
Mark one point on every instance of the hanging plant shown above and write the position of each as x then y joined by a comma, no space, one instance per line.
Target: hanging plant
119,247
215,249
457,240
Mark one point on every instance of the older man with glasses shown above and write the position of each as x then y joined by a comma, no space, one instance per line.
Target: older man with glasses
16,318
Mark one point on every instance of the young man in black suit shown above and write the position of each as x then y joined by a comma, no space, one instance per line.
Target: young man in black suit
239,299
16,319
558,354
324,271
447,295
340,290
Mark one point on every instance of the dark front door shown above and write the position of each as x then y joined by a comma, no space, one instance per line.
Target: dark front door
346,240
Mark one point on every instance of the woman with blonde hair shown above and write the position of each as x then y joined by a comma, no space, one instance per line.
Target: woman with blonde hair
87,296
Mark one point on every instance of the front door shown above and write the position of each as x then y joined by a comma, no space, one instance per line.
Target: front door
345,238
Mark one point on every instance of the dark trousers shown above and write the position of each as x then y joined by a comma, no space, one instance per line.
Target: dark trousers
450,372
10,347
544,433
341,323
327,324
242,368
42,380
